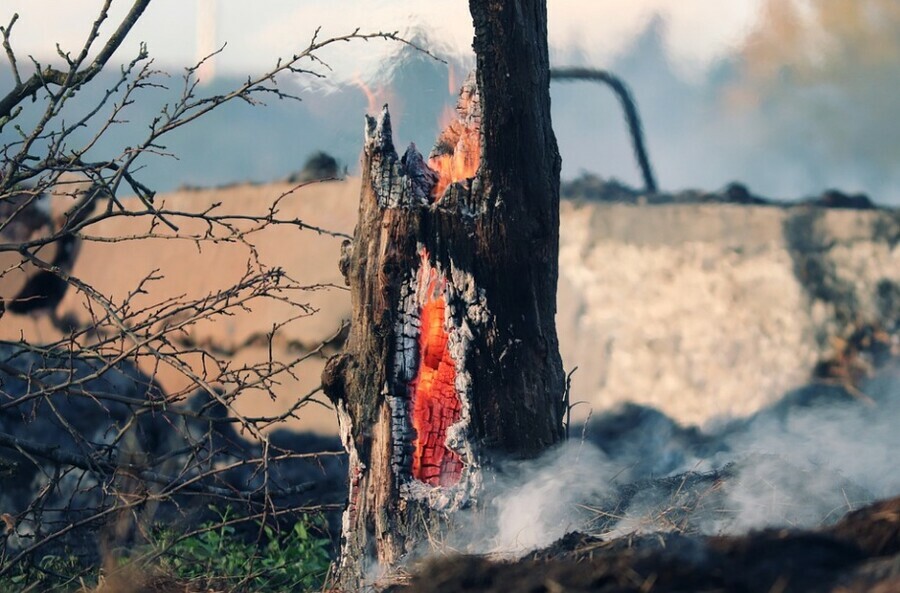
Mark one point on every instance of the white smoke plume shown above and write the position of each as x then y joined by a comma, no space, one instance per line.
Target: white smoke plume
803,463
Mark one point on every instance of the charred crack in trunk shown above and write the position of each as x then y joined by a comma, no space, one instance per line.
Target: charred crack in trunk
415,313
428,389
433,457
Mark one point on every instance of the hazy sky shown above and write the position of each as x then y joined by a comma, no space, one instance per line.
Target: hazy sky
697,31
708,119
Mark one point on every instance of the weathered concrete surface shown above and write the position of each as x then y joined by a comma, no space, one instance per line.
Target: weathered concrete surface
698,310
711,310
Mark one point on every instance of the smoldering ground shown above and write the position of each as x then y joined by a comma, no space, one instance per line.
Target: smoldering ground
804,462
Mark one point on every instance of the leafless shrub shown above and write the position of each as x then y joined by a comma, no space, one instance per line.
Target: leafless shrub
96,446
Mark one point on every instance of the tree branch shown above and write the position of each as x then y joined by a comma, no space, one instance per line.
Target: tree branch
629,107
49,75
108,470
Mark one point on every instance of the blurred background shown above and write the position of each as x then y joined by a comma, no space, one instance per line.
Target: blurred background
702,310
707,325
789,96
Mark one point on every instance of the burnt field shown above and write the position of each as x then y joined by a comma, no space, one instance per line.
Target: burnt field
795,497
859,553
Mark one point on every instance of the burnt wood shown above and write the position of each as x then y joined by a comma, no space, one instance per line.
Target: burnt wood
491,243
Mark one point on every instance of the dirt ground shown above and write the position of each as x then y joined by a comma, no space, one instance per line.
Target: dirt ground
115,269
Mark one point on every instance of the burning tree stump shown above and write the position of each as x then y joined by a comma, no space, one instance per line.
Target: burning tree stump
453,356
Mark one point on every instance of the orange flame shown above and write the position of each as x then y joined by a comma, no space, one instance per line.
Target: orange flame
435,403
457,154
452,85
375,97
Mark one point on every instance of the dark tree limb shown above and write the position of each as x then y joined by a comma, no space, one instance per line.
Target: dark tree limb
629,106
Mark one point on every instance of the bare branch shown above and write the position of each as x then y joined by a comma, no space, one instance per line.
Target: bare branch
155,446
7,31
73,79
632,118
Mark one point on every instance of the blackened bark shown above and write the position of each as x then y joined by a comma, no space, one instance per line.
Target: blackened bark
519,238
452,358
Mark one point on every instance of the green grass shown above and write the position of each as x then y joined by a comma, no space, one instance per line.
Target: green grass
50,573
212,555
294,560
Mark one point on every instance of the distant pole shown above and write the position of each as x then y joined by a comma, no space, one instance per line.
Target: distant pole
206,39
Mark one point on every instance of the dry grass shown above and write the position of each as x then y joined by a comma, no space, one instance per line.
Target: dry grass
133,580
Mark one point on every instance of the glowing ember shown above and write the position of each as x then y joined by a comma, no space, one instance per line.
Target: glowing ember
457,154
435,403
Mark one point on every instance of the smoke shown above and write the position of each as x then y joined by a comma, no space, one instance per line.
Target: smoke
822,75
812,457
536,506
791,97
791,100
802,463
803,102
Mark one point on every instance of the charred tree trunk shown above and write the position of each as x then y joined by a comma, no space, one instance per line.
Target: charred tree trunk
453,356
